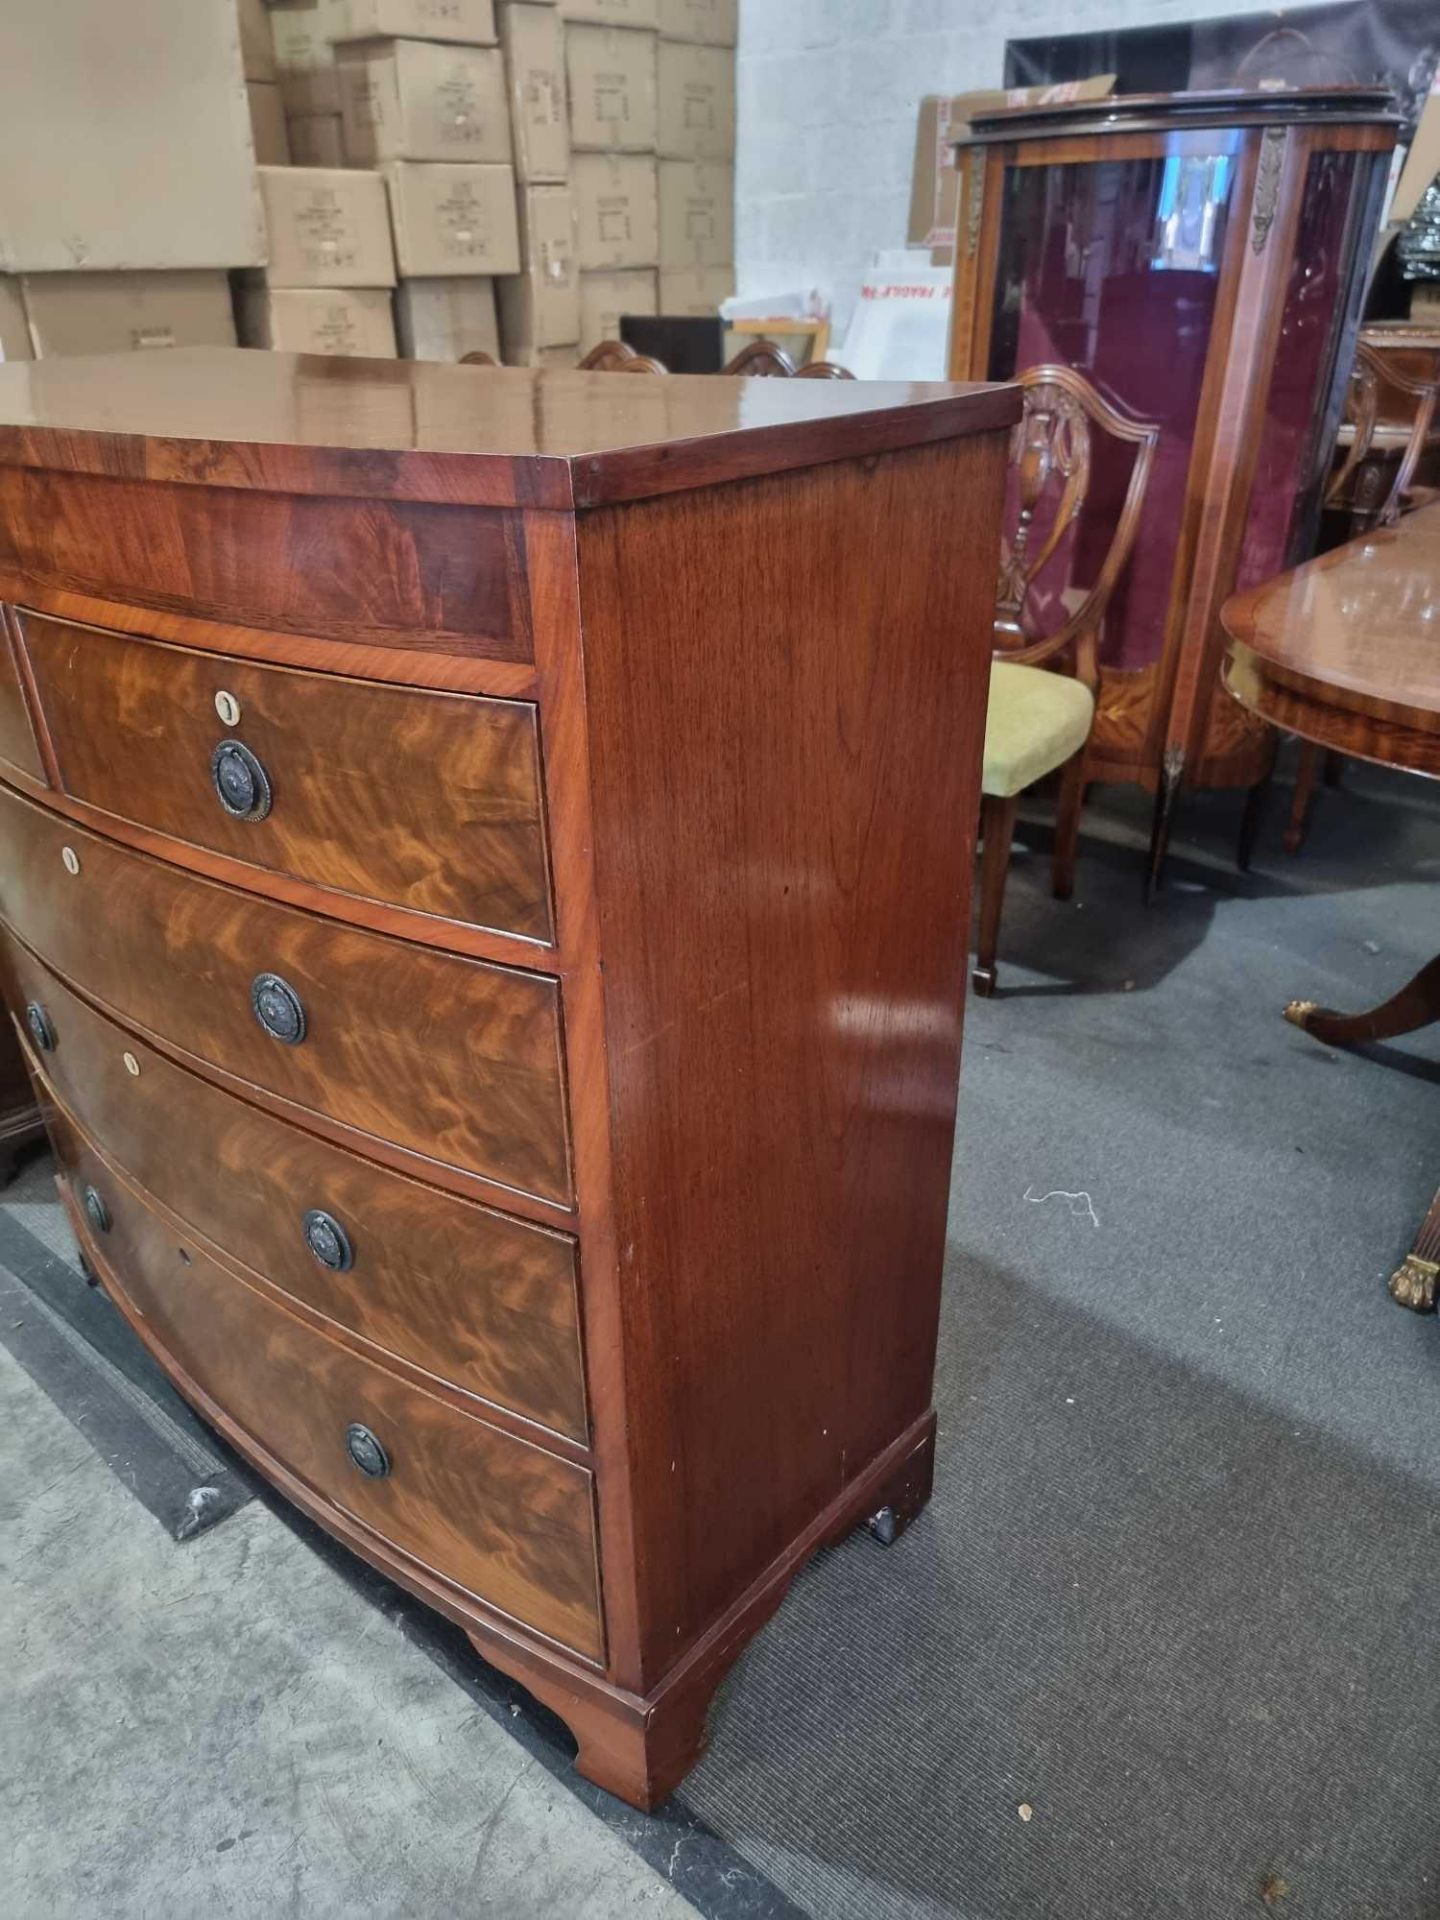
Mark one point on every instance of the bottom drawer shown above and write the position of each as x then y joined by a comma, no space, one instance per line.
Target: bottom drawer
504,1520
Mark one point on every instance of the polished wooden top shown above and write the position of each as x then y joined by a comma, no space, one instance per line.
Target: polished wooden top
1360,624
1217,107
400,429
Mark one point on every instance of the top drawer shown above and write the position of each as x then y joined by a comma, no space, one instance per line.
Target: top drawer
423,800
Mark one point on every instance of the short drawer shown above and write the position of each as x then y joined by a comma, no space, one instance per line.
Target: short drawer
453,1059
499,1518
476,1298
425,800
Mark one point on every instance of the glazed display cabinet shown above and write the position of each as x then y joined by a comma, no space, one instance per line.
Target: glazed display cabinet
1201,259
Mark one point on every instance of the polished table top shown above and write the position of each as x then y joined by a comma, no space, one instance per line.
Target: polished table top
478,435
1350,638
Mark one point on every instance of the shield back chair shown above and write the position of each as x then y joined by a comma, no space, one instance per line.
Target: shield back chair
613,356
1043,682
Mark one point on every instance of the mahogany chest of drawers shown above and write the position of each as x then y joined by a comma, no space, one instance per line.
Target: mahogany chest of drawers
484,868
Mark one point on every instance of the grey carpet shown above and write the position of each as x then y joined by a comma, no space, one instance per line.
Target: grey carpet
1174,1589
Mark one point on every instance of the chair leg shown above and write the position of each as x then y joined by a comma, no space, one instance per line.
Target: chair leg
1067,826
1334,767
1305,771
997,824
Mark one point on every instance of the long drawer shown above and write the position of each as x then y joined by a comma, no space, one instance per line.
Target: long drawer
499,1518
424,800
454,1059
478,1299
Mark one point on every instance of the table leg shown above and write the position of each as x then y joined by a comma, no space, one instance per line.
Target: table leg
1413,1281
1415,1005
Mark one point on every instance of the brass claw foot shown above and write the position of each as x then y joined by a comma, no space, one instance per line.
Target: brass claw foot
1298,1012
1413,1284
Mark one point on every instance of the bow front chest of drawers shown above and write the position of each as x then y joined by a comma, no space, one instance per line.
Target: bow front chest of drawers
484,862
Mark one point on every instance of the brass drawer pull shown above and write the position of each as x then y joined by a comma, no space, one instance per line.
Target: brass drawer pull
96,1211
328,1241
40,1026
241,783
278,1008
366,1451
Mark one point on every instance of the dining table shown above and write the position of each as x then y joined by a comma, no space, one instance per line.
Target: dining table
1344,652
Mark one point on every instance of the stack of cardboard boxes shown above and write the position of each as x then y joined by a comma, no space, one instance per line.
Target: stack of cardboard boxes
540,304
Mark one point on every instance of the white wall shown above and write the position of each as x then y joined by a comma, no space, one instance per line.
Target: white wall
828,91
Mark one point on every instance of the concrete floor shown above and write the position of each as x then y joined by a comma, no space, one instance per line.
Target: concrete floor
328,1768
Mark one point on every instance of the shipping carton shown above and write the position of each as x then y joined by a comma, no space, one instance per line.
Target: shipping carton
697,102
469,22
616,210
257,49
125,138
316,140
935,185
348,320
328,227
446,319
534,51
422,100
697,291
697,214
267,124
122,312
452,219
305,57
613,13
713,22
610,78
14,333
540,305
604,297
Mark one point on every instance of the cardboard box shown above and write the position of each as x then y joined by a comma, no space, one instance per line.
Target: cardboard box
257,49
697,102
446,319
534,51
328,227
267,124
610,78
540,306
452,219
422,100
613,13
305,57
14,333
605,296
617,213
695,290
123,312
715,23
466,22
935,185
316,140
697,214
348,320
125,138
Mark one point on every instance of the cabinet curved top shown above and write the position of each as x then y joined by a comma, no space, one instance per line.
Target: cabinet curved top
1169,112
415,430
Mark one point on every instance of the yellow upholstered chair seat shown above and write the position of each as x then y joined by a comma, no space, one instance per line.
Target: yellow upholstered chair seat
1034,723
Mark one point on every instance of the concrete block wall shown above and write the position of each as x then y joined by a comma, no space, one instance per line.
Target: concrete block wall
828,91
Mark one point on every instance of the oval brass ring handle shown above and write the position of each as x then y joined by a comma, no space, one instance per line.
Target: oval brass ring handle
328,1241
278,1008
96,1211
240,782
366,1451
40,1026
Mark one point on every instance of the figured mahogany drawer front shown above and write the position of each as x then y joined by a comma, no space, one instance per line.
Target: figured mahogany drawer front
475,1297
504,1520
455,1059
424,800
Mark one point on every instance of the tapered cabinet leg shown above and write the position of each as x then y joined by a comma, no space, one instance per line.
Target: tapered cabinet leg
997,825
1067,826
1172,772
